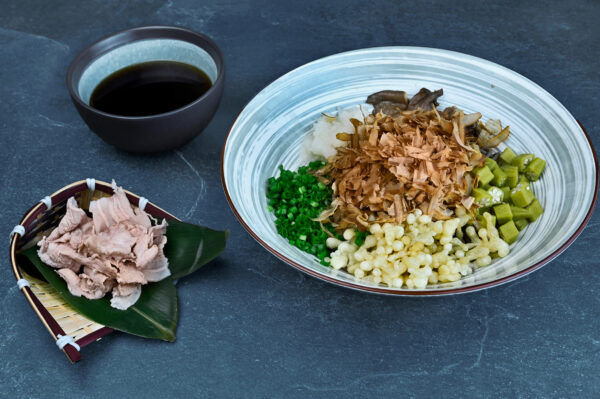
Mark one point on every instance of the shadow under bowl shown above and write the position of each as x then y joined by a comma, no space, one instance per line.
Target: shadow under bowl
153,133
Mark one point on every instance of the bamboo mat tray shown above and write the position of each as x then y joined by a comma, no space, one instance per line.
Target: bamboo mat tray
59,318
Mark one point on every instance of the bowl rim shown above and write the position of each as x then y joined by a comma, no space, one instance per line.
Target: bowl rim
412,292
217,58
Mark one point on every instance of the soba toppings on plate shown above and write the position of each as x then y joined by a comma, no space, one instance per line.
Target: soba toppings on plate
392,166
420,196
117,250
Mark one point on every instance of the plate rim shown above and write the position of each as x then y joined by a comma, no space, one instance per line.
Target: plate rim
414,292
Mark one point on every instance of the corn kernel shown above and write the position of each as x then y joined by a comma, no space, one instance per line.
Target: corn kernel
370,241
332,242
397,282
349,234
424,219
375,229
366,266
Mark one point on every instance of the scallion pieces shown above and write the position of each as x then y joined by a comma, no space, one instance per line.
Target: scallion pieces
296,198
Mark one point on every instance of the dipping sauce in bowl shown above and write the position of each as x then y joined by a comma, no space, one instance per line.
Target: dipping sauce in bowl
150,88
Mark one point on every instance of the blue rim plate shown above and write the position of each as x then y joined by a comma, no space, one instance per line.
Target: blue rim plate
270,129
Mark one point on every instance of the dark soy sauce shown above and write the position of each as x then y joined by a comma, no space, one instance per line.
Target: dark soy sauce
150,88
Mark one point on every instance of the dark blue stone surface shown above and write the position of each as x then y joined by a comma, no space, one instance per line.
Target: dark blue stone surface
250,326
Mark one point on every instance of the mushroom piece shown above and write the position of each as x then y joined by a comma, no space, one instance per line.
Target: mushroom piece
493,152
392,96
389,108
425,99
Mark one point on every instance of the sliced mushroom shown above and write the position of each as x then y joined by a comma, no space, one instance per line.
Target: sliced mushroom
425,99
394,96
493,152
389,108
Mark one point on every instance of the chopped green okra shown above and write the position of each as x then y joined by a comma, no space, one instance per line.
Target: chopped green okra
485,175
483,209
519,213
523,179
482,197
512,175
521,161
505,192
535,169
509,232
507,155
497,195
535,210
521,224
499,179
503,213
491,164
522,195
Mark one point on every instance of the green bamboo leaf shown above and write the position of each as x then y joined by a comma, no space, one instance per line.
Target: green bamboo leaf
154,315
190,247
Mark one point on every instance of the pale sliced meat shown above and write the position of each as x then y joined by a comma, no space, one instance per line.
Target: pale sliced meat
130,274
157,269
72,281
117,240
109,211
117,250
125,295
60,255
92,288
74,216
147,256
140,218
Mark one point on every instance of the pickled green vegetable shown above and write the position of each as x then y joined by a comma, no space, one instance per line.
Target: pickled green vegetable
509,232
503,213
505,187
523,179
499,179
505,192
522,195
521,224
497,194
512,175
519,213
491,164
521,161
535,210
485,175
507,155
482,197
535,169
484,209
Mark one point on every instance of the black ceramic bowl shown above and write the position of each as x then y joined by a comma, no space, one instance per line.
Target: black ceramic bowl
152,133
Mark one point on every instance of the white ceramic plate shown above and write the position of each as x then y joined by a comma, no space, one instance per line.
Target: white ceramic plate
270,129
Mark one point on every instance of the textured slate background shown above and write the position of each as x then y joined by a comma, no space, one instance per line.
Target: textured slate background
250,325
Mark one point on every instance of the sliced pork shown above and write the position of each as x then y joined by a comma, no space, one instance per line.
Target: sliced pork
117,250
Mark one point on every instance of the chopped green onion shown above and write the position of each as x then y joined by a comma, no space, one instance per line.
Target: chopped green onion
296,199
